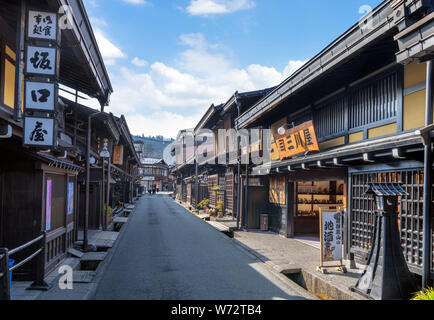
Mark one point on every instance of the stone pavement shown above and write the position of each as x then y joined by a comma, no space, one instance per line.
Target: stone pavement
292,256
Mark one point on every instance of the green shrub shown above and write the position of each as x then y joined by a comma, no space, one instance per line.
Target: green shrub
204,204
220,206
427,295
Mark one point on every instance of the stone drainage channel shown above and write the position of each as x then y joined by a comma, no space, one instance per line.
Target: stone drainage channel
307,281
87,268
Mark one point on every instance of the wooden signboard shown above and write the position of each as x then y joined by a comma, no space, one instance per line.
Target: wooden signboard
118,155
331,239
297,140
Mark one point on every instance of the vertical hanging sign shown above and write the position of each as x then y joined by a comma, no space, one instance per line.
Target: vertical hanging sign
42,25
70,198
48,205
41,72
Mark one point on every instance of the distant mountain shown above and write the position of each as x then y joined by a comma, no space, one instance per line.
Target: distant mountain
154,146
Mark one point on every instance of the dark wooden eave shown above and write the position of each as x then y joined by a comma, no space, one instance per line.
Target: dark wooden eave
393,147
81,64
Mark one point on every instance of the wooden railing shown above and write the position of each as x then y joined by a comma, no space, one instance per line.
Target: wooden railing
39,254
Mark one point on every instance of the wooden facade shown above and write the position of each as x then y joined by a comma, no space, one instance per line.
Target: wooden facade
41,189
366,109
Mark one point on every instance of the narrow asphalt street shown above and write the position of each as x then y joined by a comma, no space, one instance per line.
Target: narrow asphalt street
168,254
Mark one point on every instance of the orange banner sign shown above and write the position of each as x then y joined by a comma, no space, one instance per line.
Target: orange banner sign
297,140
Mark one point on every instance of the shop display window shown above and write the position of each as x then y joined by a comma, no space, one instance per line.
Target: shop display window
311,196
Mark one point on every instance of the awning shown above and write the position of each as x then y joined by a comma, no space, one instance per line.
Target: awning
57,163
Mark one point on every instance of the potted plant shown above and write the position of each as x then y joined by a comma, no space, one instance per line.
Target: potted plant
204,205
220,208
212,212
427,295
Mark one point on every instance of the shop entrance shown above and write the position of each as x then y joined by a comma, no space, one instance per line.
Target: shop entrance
311,196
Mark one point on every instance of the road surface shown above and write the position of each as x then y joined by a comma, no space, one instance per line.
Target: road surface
166,253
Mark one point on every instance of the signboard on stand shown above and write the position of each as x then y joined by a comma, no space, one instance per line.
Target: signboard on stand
331,222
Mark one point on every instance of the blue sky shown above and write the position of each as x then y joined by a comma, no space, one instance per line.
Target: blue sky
169,60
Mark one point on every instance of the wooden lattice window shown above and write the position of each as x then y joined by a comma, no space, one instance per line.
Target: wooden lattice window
278,190
374,102
410,211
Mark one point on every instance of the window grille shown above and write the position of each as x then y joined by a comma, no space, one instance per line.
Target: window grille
330,118
410,211
374,102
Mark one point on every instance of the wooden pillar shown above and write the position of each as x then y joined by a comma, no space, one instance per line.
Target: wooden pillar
291,208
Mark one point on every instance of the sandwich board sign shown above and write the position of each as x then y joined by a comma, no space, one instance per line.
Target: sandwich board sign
331,239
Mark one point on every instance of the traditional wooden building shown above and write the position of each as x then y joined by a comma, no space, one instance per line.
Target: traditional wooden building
155,172
39,186
218,172
350,116
125,164
104,129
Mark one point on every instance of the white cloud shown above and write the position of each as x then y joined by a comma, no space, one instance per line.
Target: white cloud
139,62
169,97
98,22
292,67
137,2
213,7
109,51
163,123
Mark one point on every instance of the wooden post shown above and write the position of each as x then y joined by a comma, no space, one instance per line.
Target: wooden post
108,190
19,64
39,283
104,206
5,292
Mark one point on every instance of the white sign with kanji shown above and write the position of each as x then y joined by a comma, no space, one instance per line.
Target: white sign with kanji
331,237
42,25
40,96
41,60
38,131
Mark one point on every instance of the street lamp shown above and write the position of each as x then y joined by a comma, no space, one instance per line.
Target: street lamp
386,277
